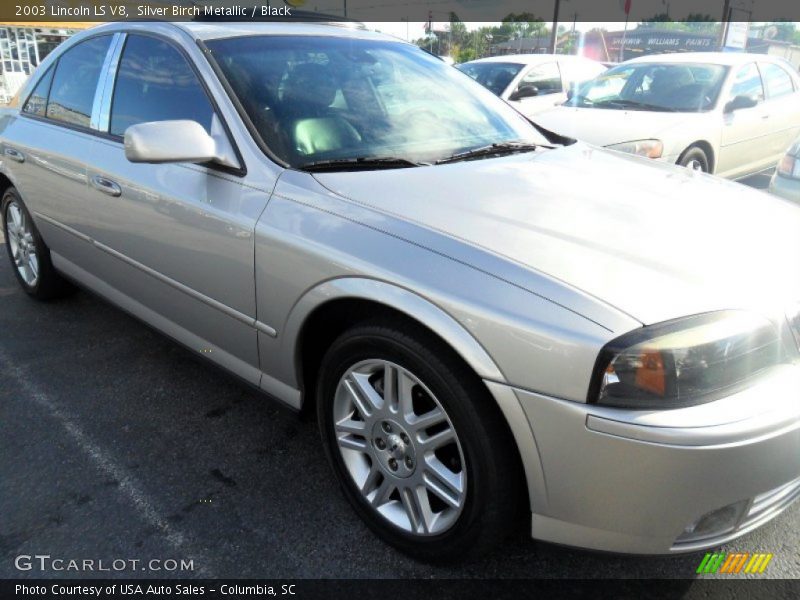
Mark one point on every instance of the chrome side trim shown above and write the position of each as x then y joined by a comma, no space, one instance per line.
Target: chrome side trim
63,227
264,328
100,94
224,308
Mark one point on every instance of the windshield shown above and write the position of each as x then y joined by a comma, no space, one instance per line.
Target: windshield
315,99
653,86
494,76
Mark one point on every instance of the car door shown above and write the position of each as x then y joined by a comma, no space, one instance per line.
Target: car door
51,142
782,109
546,78
178,238
744,131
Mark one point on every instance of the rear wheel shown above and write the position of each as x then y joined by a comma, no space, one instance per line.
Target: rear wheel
695,158
30,257
421,451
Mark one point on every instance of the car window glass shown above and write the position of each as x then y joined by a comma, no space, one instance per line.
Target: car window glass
495,76
155,83
318,98
659,86
75,81
546,78
37,101
777,80
747,82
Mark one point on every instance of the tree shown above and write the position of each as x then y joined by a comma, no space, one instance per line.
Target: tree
786,31
459,35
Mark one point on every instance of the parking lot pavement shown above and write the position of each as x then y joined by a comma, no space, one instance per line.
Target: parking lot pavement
116,443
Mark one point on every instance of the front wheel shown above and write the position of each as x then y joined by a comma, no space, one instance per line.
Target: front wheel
421,451
695,158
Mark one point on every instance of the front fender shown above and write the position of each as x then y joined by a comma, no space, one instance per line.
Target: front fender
397,298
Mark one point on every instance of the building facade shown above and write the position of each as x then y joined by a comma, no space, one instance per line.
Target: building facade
23,46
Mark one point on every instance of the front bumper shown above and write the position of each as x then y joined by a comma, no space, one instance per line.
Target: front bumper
633,481
785,187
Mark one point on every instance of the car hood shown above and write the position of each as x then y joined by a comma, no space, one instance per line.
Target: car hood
653,240
603,127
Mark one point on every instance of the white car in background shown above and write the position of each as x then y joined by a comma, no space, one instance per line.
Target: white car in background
532,82
724,113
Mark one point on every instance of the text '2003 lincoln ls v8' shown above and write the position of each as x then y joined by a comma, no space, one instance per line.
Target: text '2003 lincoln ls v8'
497,326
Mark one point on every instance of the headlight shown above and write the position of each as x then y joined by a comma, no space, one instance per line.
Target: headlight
686,361
648,148
789,167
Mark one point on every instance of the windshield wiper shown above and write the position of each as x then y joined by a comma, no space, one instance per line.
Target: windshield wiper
360,163
491,150
634,105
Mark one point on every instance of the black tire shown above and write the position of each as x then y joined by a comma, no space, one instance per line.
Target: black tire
49,284
695,158
493,502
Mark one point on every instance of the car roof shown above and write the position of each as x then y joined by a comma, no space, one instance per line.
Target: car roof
530,59
216,30
711,58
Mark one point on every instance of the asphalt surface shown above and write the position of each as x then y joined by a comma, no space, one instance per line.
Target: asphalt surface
115,443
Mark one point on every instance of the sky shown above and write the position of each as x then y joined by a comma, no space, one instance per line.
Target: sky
416,30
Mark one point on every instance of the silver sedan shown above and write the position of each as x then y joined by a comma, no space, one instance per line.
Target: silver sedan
491,321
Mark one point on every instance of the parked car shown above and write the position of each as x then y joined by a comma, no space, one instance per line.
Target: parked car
532,82
785,180
489,320
725,113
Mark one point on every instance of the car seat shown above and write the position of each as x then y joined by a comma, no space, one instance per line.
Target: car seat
313,126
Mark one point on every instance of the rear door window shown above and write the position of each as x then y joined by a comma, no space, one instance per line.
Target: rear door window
37,101
778,81
75,81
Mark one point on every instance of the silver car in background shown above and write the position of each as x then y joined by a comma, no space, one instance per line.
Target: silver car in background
532,83
491,321
732,114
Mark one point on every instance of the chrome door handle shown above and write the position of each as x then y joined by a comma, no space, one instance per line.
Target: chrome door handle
14,155
106,186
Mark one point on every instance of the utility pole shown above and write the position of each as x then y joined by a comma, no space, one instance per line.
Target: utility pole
624,31
345,9
554,32
726,19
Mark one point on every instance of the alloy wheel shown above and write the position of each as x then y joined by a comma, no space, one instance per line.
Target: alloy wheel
696,165
400,447
19,232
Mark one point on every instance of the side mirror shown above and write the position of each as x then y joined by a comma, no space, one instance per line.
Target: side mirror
529,91
170,142
740,102
571,92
